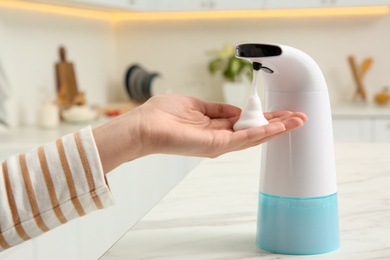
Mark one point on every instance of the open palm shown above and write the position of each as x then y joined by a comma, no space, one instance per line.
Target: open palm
189,126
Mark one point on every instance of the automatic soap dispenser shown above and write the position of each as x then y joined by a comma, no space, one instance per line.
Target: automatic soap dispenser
297,211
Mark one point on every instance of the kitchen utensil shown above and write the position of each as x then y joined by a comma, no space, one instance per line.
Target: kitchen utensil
138,83
66,80
146,88
135,81
298,211
358,73
128,78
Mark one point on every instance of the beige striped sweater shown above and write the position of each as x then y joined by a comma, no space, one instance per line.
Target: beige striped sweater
49,186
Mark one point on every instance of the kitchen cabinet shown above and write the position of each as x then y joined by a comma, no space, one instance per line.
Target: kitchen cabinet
142,5
347,129
207,5
362,123
345,3
135,5
286,4
382,130
282,4
198,5
169,5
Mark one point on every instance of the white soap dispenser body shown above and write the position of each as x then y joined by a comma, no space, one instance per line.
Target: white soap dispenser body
298,211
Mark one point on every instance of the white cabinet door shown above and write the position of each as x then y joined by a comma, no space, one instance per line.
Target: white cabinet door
382,130
286,4
205,5
175,5
342,3
352,130
141,5
239,5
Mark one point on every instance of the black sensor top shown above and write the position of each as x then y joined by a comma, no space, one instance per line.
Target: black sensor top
253,50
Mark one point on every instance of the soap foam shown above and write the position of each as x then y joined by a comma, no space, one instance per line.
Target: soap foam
252,115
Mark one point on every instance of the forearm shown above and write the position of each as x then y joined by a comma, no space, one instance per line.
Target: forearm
118,141
49,186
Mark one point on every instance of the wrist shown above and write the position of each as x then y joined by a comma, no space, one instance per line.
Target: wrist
117,141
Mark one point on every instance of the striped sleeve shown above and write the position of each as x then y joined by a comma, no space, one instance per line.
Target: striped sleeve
49,186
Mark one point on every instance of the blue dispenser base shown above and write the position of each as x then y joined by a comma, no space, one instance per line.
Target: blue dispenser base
299,226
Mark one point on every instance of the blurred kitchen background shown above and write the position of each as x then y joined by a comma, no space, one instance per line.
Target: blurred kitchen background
170,40
103,38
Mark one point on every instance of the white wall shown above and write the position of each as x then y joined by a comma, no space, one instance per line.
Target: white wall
29,43
177,48
102,51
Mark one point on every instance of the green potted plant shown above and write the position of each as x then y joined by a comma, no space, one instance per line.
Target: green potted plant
234,71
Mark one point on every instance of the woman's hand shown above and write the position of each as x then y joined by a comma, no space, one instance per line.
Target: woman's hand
174,124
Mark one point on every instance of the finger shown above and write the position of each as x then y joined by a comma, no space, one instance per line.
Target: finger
257,135
284,114
275,114
293,123
217,110
300,115
249,137
290,125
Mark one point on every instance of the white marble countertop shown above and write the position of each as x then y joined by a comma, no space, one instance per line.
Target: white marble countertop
31,136
211,214
34,135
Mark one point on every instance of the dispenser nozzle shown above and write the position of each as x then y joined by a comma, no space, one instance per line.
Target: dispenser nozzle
258,66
